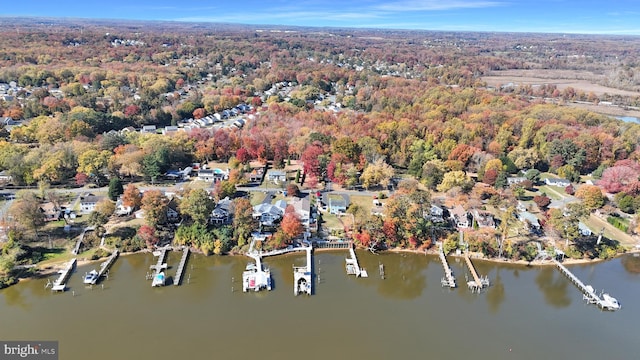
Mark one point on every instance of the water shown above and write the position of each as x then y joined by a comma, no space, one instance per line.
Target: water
628,119
527,313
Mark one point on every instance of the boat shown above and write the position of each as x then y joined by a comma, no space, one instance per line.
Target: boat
91,277
609,302
158,279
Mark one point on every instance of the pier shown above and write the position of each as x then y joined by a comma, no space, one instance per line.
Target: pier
302,283
160,264
448,279
332,244
478,283
183,262
104,267
61,282
606,302
352,266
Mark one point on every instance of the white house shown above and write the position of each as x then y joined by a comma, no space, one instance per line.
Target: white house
269,214
557,182
277,176
221,214
148,129
88,203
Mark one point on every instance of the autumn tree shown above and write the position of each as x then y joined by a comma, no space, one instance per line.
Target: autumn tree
542,201
290,224
132,197
378,173
452,179
154,204
148,234
616,178
26,210
243,223
198,205
591,196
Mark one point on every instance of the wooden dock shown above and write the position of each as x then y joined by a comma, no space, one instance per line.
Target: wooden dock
352,266
104,267
448,279
160,264
606,302
332,244
61,282
183,263
478,283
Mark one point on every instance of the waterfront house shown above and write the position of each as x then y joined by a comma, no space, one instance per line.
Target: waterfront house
557,182
436,213
461,217
269,214
302,207
338,205
172,211
121,208
530,220
221,215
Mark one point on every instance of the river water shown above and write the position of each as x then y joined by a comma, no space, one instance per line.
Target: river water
527,313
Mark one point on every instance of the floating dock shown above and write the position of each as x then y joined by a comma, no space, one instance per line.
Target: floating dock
332,244
61,282
302,282
448,279
352,266
478,283
606,302
104,267
183,263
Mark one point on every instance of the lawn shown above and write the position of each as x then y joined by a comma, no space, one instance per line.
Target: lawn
595,224
331,221
553,192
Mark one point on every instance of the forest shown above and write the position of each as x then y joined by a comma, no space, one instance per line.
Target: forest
356,107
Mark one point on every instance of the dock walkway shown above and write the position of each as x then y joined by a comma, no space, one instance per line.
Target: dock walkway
448,280
352,266
104,267
605,302
61,282
183,263
302,277
478,283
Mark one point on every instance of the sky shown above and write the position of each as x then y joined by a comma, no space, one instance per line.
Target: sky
547,16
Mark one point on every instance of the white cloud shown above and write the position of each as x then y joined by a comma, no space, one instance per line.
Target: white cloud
435,5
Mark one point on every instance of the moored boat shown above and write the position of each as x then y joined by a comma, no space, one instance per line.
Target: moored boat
91,277
158,279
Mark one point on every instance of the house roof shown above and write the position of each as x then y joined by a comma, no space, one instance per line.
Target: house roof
91,199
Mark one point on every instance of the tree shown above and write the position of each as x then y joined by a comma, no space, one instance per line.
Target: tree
115,188
490,176
243,223
591,196
132,197
291,225
542,201
26,210
198,205
378,173
452,179
616,178
148,234
154,204
92,162
292,190
533,175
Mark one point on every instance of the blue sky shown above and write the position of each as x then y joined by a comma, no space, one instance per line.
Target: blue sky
558,16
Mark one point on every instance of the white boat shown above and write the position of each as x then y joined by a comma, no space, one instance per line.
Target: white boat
609,302
158,279
91,277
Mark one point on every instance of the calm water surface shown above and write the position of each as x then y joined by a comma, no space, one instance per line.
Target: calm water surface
527,313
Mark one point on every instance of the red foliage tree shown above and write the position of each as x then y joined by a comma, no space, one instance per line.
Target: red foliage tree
148,234
490,177
616,178
542,201
243,155
291,225
311,161
81,179
199,113
363,238
131,110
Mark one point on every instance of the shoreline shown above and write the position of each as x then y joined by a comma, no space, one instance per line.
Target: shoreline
53,268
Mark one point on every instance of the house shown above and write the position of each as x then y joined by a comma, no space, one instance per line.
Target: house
436,213
277,176
148,129
5,177
584,230
183,174
255,176
338,206
121,208
172,211
484,219
557,182
269,214
88,203
213,175
221,215
302,207
460,217
169,130
50,211
529,219
516,180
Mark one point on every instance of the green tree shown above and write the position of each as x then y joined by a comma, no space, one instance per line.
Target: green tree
115,188
198,205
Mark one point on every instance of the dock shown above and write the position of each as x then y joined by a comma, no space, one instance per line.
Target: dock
448,279
183,263
160,265
478,283
61,282
352,266
104,267
606,302
332,244
302,282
